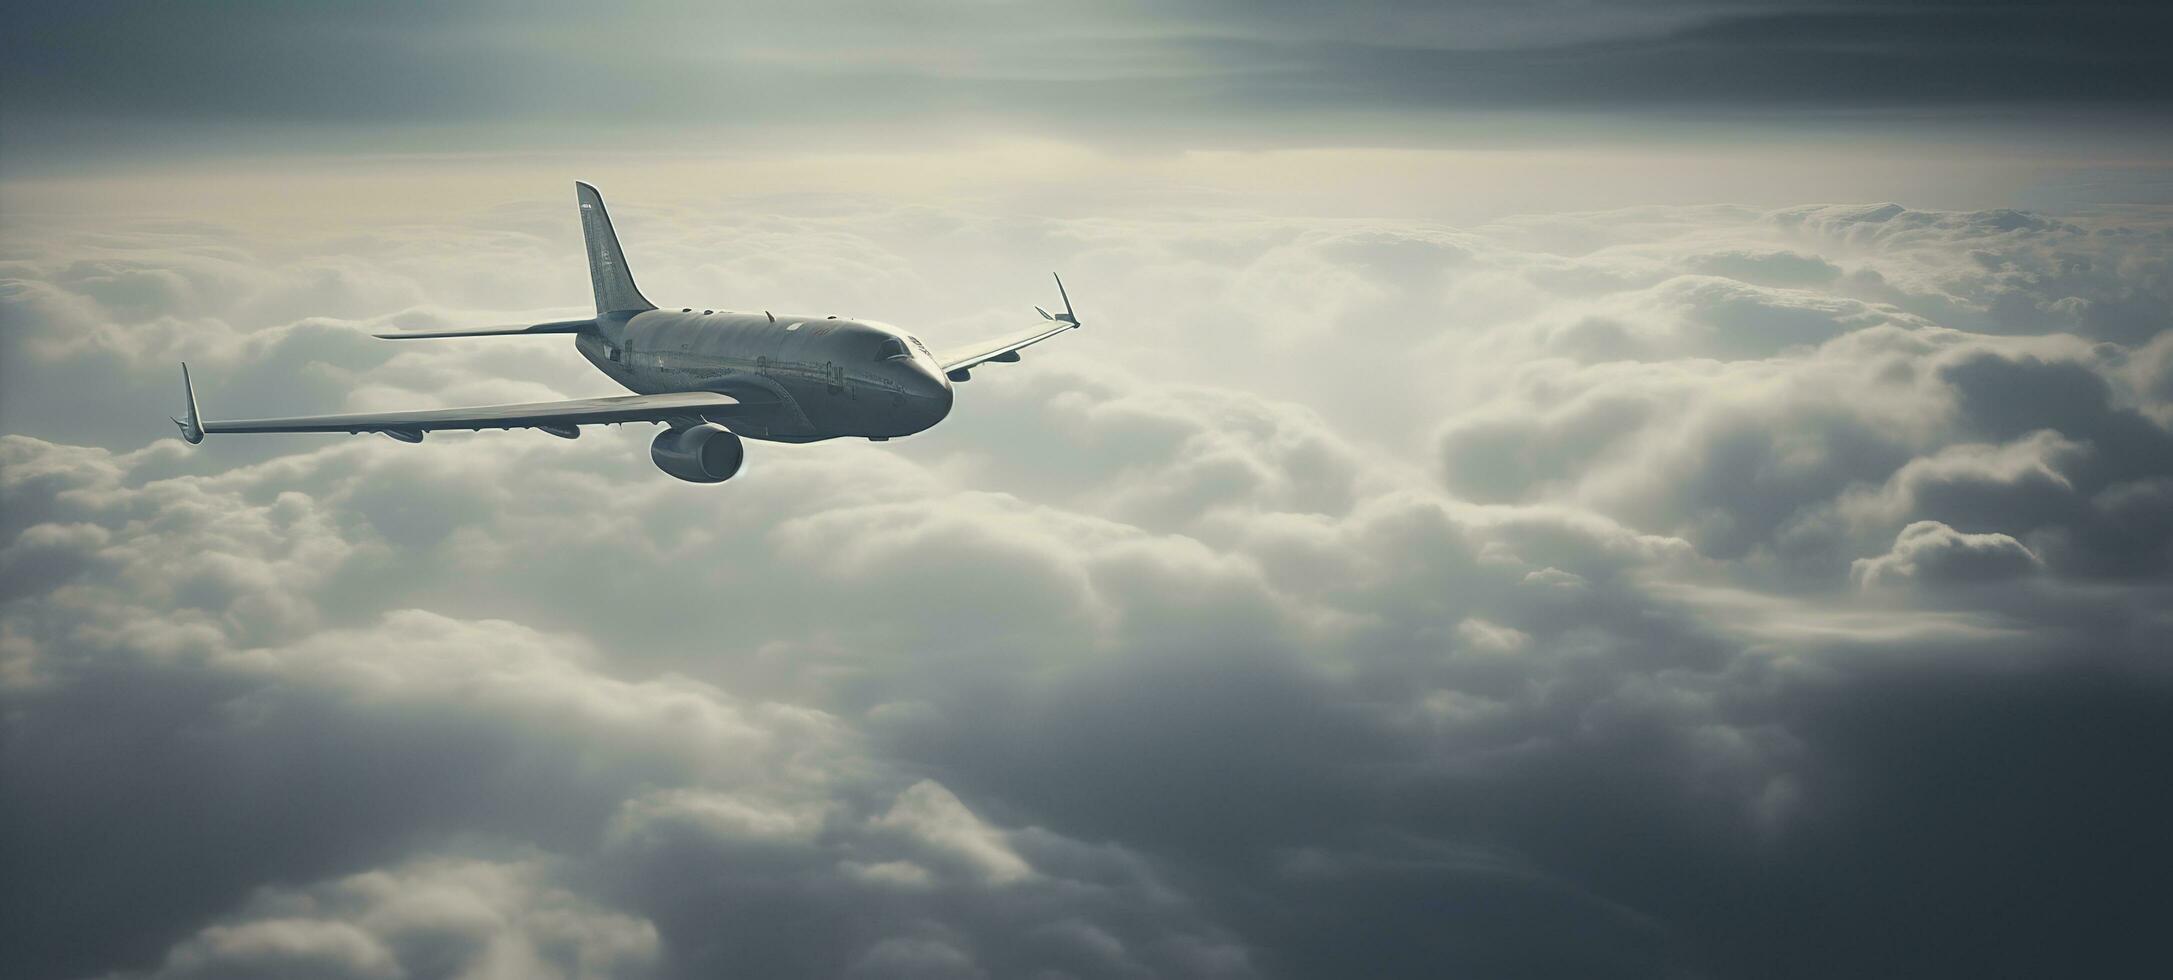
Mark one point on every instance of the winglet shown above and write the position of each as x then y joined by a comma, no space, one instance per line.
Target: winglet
1067,315
192,425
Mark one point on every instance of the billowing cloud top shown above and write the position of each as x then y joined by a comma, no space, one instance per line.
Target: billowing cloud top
1689,591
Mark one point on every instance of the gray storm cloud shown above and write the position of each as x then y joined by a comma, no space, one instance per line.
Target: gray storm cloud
1568,594
488,76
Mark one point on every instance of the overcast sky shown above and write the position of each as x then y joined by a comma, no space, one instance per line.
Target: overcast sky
1545,489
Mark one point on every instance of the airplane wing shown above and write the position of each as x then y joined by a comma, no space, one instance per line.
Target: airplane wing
957,361
518,330
561,418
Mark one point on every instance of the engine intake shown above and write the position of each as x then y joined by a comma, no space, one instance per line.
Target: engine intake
706,453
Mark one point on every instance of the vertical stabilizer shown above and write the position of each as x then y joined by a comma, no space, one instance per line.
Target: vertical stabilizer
614,285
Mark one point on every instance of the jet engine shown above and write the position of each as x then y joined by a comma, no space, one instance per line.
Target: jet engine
706,453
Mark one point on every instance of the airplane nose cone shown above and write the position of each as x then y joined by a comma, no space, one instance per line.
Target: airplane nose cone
928,397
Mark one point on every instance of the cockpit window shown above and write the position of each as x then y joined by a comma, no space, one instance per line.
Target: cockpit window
892,347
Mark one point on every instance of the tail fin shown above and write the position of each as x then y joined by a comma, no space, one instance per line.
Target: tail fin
615,292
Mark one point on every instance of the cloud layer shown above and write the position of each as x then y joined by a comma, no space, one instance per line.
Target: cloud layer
1669,591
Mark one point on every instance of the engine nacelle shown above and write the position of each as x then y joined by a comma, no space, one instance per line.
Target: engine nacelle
706,453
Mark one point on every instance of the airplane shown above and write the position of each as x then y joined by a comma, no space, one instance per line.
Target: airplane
712,377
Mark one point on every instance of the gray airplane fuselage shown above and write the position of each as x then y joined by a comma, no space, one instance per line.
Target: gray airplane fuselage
828,377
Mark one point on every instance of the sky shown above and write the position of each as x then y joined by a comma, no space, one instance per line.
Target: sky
1555,489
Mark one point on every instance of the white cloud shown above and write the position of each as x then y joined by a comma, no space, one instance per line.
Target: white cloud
450,917
935,819
1058,686
1931,552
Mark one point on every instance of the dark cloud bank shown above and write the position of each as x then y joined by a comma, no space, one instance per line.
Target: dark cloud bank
1713,592
477,75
